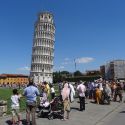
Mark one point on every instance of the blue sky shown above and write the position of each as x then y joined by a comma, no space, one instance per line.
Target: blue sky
90,31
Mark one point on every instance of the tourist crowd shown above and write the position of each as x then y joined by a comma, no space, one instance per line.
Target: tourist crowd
44,96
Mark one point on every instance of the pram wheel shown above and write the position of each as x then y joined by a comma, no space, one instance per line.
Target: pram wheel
50,116
40,114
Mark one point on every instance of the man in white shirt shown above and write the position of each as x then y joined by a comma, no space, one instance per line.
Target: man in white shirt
81,91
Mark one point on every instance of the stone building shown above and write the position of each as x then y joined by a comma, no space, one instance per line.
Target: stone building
102,71
115,70
43,49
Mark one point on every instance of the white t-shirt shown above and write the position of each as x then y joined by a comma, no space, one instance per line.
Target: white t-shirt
15,101
100,86
52,90
81,90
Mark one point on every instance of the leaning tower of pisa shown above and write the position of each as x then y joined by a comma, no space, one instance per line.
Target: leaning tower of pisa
43,49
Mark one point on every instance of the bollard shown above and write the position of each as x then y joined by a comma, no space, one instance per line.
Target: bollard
3,108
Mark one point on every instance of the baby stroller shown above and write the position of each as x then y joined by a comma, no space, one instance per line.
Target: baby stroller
105,99
44,107
56,109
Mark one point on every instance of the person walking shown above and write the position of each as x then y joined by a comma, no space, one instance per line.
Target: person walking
31,92
98,94
66,102
81,91
118,92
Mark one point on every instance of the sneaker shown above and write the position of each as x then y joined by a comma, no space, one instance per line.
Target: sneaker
63,119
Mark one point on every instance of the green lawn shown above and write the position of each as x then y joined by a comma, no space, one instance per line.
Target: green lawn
5,94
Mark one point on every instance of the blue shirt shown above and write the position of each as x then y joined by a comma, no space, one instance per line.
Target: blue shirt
31,92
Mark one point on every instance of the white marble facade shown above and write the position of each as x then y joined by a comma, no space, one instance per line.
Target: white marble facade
43,49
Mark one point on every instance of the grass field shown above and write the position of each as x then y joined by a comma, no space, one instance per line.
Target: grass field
5,94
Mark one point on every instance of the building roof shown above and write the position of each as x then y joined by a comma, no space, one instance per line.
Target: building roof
13,75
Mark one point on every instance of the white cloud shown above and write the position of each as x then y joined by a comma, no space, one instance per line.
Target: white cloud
61,67
58,68
65,63
84,60
25,68
66,59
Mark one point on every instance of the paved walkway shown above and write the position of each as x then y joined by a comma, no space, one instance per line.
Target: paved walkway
93,115
117,117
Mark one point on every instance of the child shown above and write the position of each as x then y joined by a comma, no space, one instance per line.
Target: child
43,96
15,98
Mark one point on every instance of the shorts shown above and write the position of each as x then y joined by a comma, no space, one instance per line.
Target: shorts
30,108
15,111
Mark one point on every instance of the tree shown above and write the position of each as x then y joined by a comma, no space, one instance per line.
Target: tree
78,73
60,76
65,72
